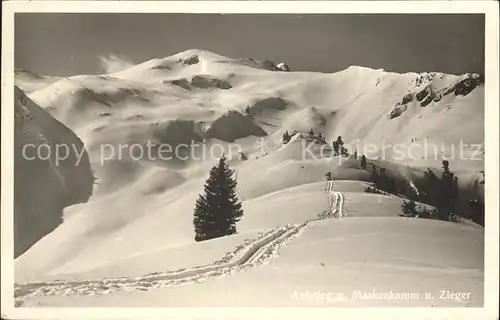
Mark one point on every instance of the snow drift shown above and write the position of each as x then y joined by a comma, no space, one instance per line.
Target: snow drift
43,188
29,81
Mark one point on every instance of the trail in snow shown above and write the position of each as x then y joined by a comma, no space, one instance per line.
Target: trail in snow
251,253
335,203
257,252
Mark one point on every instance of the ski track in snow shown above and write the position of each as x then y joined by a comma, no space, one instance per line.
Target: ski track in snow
335,203
251,253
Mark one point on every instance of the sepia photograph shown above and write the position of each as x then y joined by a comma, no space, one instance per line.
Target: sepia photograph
249,159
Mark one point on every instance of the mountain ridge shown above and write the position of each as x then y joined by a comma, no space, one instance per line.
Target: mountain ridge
141,205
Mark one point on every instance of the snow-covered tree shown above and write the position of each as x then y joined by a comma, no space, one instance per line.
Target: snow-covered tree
218,209
409,208
338,146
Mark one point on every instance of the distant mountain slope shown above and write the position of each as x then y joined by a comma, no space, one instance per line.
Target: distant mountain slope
29,81
363,105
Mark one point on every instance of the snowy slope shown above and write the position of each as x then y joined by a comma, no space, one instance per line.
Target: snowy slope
44,187
29,81
141,210
328,262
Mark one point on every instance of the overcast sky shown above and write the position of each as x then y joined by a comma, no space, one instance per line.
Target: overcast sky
75,43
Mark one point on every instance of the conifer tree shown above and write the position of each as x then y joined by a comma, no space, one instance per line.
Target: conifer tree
374,175
243,156
363,162
381,182
286,137
218,209
328,176
447,192
431,187
344,151
409,208
338,146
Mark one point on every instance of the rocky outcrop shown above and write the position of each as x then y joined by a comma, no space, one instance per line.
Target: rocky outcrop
423,94
183,83
162,67
430,93
407,98
269,65
424,77
264,64
201,82
428,99
190,60
205,82
397,111
464,87
283,66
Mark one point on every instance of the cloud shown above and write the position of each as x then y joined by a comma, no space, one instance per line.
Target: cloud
114,63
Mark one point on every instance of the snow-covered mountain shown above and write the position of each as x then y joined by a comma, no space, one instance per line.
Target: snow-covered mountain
139,218
29,81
